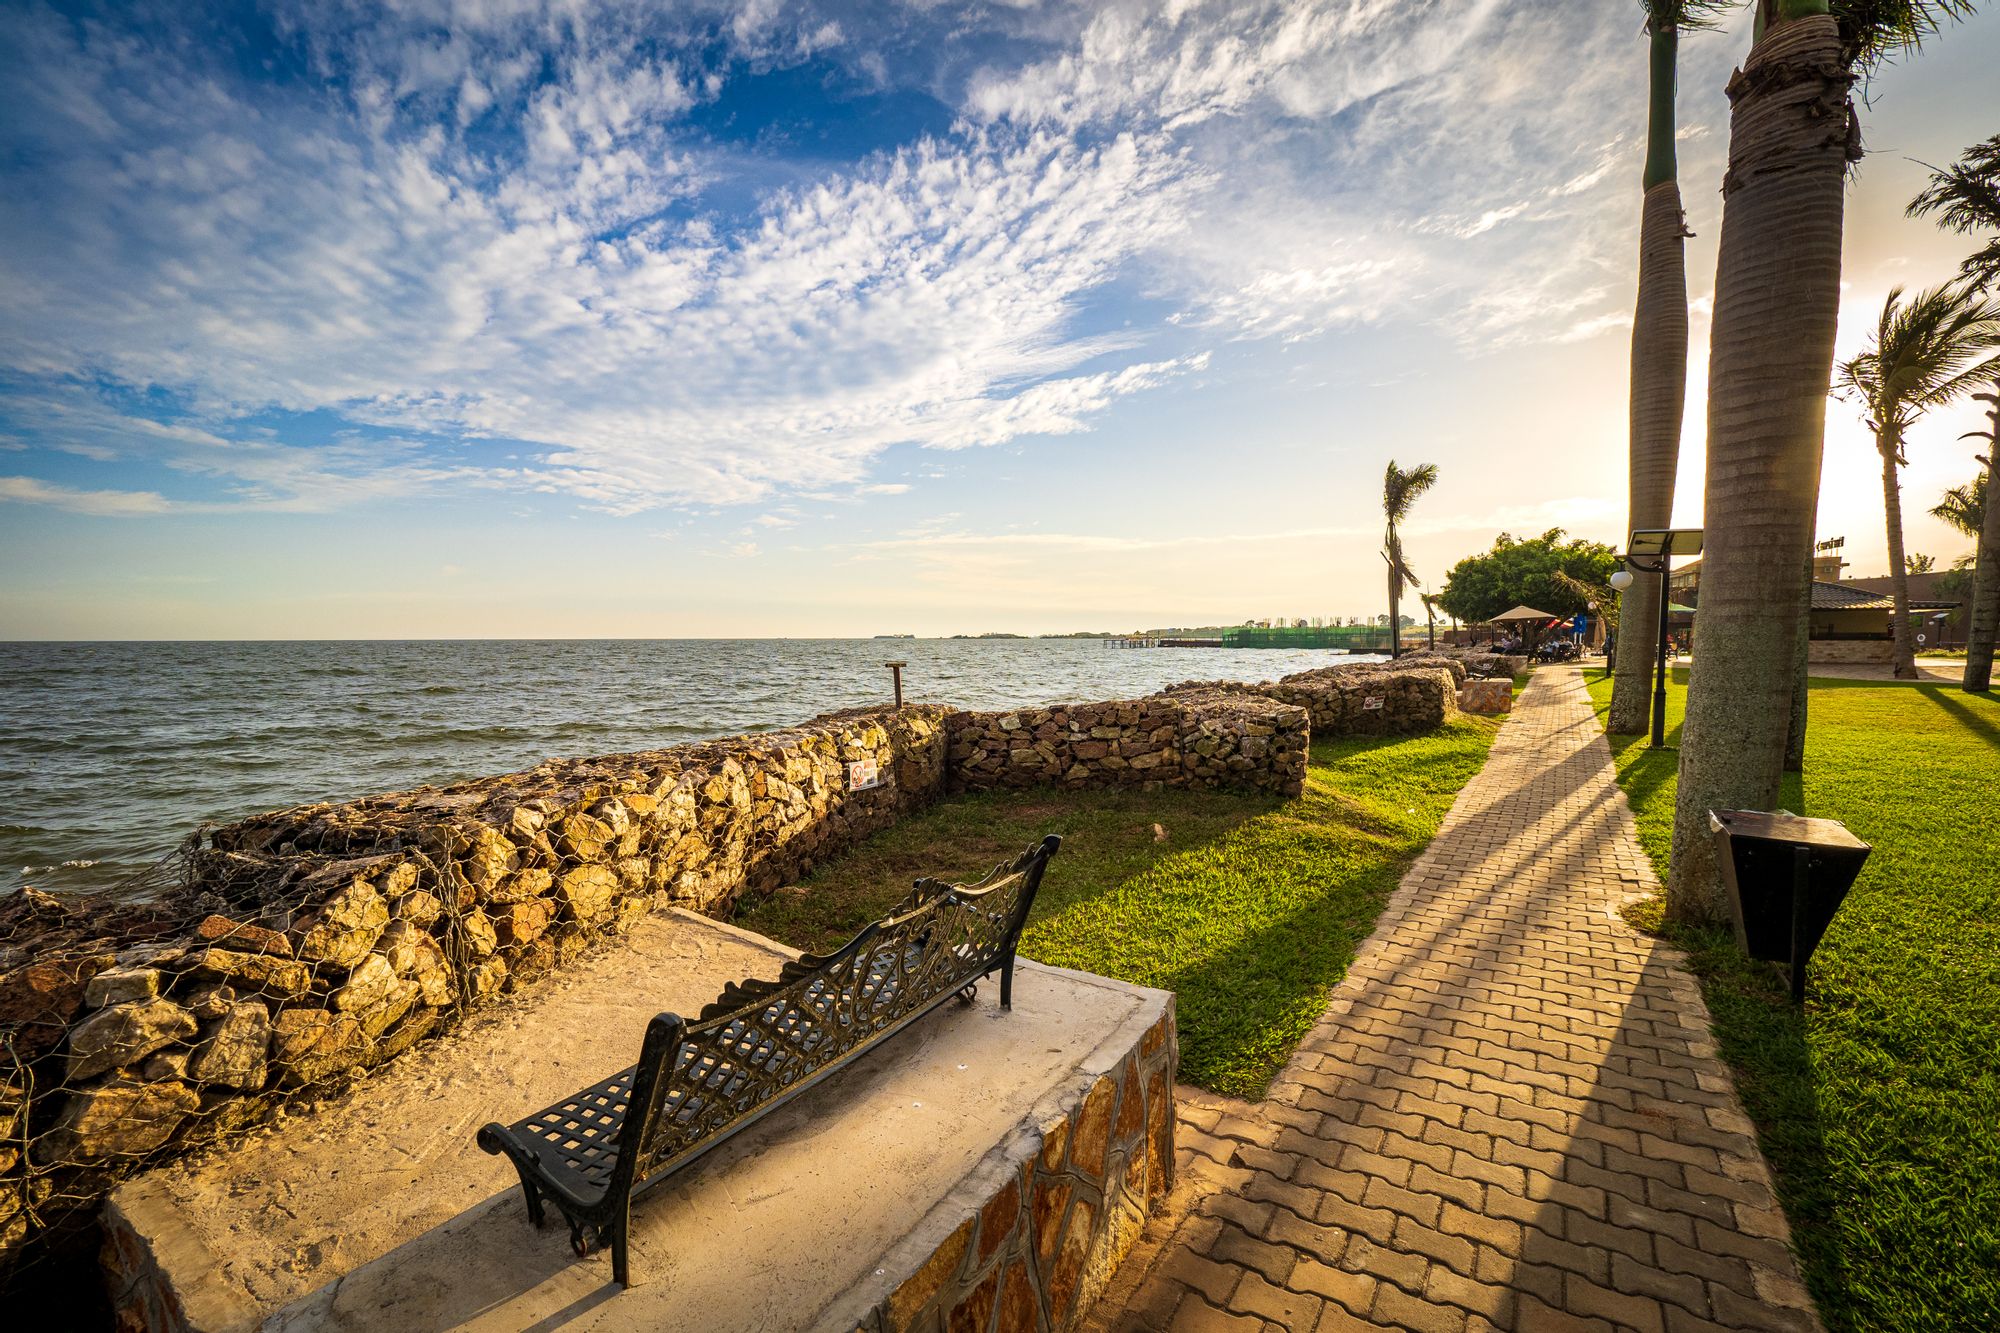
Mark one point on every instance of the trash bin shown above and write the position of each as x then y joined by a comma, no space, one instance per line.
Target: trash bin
1787,875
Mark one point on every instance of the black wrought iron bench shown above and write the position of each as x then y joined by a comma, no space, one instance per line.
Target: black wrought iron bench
758,1045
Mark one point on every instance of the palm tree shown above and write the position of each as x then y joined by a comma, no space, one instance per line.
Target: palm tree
1659,351
1964,507
1983,625
1966,199
1925,354
1430,601
1793,135
1400,490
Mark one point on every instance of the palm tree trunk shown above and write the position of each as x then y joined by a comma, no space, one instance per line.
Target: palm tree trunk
1395,631
1777,301
1658,386
1983,625
1903,653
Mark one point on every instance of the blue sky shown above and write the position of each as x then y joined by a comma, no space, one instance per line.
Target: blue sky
492,317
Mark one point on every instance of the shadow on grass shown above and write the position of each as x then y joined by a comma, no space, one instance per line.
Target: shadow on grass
1947,698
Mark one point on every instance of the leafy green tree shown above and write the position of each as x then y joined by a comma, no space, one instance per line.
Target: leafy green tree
1522,572
1919,563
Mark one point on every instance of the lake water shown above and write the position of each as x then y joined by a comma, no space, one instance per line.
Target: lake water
111,753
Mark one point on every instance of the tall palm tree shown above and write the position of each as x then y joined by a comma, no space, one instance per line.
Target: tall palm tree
1659,351
1793,135
1925,353
1400,490
1965,198
1983,625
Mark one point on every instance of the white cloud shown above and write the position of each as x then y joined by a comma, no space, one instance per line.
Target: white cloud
101,504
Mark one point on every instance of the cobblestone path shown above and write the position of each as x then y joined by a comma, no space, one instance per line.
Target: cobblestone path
1512,1115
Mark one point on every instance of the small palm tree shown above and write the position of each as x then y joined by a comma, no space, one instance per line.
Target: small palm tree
1965,198
1400,489
1964,507
1926,353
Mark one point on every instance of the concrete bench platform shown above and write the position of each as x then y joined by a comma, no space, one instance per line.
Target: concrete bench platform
981,1159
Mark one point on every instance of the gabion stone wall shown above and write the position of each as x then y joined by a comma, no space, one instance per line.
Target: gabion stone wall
1210,737
309,943
1366,699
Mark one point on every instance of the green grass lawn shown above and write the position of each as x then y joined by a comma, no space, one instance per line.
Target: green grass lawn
1249,908
1879,1103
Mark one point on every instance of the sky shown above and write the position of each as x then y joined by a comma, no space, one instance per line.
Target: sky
507,318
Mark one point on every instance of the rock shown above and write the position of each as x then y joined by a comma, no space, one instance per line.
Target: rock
116,1119
233,1050
402,995
587,892
407,1033
211,1002
125,1034
243,937
39,1001
308,1045
585,837
397,880
491,859
368,985
278,978
486,979
346,927
480,937
523,887
518,923
121,985
162,1066
416,955
417,907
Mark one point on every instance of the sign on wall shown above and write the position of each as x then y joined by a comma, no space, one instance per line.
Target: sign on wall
1371,703
863,774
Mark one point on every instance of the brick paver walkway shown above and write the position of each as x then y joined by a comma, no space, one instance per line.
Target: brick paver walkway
1512,1115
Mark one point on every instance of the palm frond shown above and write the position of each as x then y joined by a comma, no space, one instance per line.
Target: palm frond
1965,198
1687,15
1871,31
1929,350
1964,507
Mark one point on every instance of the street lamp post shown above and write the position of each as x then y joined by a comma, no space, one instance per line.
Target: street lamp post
1651,551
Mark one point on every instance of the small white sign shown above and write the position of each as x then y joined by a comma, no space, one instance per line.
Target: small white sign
1371,703
1922,639
863,774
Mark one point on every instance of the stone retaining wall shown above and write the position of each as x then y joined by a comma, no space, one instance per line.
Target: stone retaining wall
325,939
1216,736
1367,699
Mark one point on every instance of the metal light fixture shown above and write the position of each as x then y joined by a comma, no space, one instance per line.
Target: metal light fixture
1649,550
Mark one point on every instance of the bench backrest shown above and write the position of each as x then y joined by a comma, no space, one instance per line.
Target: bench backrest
761,1042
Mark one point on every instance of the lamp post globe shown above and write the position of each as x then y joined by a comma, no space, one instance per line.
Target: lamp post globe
1622,580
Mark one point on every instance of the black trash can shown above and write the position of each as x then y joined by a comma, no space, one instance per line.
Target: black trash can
1787,875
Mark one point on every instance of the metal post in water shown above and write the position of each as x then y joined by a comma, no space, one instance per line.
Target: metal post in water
896,671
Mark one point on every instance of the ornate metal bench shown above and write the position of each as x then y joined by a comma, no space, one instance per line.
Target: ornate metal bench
758,1045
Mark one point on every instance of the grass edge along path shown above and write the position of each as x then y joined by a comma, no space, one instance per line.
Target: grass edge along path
1250,908
1878,1103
